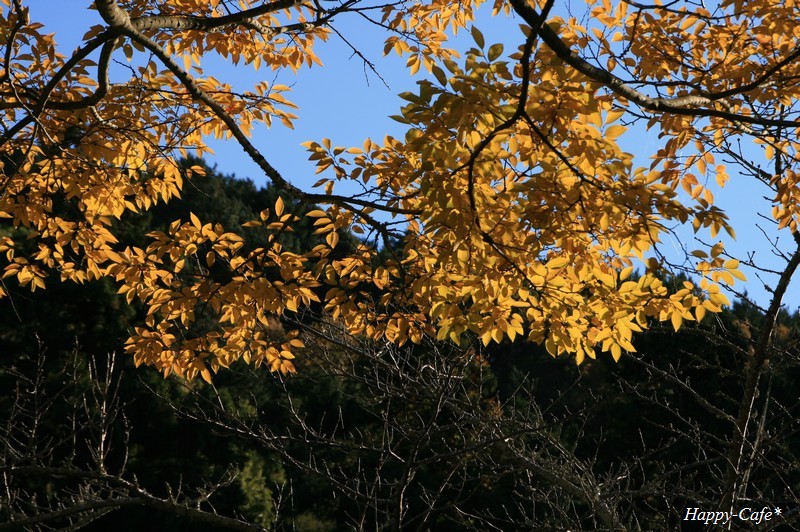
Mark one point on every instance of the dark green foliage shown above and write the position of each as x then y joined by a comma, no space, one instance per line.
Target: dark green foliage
221,198
377,437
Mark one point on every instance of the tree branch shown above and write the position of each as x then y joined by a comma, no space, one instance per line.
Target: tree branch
754,369
690,105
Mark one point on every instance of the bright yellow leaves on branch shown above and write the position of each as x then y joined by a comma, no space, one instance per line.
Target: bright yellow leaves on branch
509,209
196,267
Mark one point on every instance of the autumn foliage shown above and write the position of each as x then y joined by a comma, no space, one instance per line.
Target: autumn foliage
519,212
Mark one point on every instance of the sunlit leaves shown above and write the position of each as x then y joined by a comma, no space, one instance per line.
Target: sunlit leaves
196,265
547,249
521,213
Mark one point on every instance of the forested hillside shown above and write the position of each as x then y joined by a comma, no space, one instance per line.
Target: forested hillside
369,435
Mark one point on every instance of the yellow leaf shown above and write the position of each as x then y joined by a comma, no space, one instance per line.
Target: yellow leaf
495,51
612,132
677,320
557,262
738,274
616,352
332,239
699,313
477,36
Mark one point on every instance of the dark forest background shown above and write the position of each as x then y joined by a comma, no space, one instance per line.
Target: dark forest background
372,436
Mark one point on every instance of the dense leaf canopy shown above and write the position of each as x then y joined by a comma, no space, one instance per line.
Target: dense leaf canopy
519,212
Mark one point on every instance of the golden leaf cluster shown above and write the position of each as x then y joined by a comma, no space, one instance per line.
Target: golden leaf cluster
523,216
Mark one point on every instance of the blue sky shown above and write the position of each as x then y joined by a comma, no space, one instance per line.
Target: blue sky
347,103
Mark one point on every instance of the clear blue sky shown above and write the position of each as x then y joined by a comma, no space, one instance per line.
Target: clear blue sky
347,103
